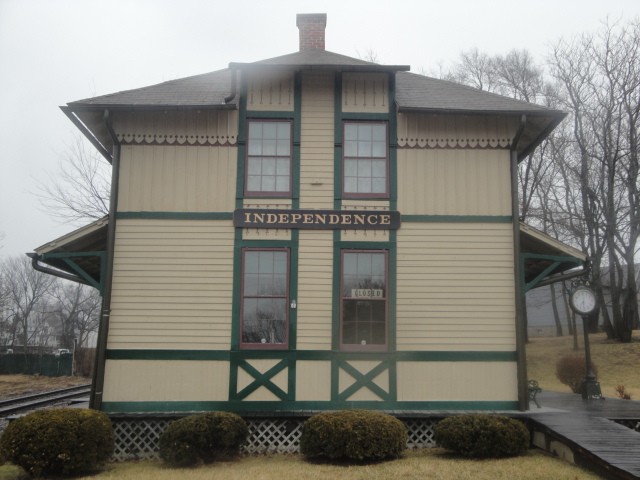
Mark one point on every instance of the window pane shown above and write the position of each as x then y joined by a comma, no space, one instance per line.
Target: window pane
282,166
377,264
378,185
255,148
253,183
364,264
279,262
268,184
364,149
255,130
350,149
364,185
364,168
351,168
351,184
269,130
364,131
268,166
251,262
283,147
269,147
282,184
379,168
378,149
379,133
351,131
251,284
284,131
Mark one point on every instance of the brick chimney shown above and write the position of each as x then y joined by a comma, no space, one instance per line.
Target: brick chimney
311,26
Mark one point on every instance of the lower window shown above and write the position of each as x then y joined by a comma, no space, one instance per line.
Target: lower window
363,324
265,298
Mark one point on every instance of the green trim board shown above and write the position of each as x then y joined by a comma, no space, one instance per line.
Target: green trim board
364,381
308,406
457,218
262,380
327,355
69,259
175,215
556,261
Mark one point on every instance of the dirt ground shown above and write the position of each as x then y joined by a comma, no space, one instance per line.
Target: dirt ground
16,385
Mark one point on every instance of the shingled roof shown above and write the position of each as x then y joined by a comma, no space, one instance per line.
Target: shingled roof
413,91
215,90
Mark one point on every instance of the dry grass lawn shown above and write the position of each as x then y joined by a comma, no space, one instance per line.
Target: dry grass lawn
426,464
617,362
16,385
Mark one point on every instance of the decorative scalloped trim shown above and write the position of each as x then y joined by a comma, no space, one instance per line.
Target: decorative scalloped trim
186,140
479,143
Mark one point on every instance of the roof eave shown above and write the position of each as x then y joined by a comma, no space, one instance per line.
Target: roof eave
320,66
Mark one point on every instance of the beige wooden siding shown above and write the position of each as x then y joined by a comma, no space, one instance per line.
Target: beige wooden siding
315,280
270,92
165,380
317,141
172,285
177,179
455,285
365,92
457,381
454,182
417,130
204,127
313,381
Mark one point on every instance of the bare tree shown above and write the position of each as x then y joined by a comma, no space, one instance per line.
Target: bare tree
599,78
78,191
27,291
76,310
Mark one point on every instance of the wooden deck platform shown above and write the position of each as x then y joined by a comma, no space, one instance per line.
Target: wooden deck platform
585,433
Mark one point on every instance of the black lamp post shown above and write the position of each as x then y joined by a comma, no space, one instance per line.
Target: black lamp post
583,302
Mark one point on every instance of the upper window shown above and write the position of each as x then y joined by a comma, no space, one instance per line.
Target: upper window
268,169
265,298
365,155
364,300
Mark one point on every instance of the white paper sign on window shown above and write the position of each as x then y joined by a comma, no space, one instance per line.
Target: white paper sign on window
366,293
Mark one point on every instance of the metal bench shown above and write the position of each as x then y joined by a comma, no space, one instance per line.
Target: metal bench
534,389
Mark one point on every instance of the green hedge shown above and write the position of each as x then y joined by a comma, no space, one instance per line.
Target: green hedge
64,441
202,438
354,435
482,436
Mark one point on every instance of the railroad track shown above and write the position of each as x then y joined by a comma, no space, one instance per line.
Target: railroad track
37,400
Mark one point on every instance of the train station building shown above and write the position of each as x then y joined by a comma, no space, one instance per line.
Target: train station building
310,232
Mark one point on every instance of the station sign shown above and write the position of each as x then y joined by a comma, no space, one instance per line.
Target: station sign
317,219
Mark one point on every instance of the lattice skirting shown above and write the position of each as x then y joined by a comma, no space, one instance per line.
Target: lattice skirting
138,438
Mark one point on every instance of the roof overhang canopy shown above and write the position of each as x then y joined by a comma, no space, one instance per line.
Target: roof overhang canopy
543,257
79,256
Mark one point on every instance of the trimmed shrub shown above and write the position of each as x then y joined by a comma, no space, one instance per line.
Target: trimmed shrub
482,436
355,435
571,370
64,441
202,438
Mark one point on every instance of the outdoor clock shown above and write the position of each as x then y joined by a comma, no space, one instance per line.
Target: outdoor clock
583,300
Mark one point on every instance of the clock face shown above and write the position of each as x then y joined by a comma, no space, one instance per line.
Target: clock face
583,300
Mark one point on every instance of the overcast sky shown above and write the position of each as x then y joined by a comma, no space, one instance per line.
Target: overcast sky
57,51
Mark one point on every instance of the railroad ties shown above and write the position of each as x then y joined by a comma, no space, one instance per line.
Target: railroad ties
39,400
